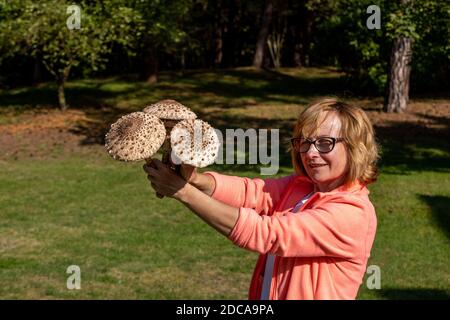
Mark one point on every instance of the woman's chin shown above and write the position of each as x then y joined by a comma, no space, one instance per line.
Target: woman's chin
317,177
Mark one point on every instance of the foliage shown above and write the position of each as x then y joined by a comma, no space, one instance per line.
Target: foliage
364,54
119,34
39,29
158,22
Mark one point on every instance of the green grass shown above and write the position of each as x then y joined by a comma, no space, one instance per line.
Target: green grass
102,216
88,210
412,242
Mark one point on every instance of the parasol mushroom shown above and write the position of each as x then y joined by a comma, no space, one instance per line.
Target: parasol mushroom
194,142
170,112
134,137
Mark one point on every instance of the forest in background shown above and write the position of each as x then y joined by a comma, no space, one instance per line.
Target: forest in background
145,37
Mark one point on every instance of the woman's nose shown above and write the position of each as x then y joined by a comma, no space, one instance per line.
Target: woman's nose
312,151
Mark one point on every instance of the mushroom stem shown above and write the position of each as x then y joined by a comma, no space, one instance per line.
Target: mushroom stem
166,147
166,150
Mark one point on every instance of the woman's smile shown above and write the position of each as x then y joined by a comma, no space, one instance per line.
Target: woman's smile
317,165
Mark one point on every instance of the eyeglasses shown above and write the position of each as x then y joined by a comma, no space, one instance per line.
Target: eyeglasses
322,144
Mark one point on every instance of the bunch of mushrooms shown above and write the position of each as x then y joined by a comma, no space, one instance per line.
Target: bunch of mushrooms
166,126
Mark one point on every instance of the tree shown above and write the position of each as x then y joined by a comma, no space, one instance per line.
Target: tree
158,29
42,30
300,16
417,26
263,34
398,91
400,69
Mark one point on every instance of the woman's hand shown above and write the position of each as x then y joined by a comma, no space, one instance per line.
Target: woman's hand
164,180
188,172
167,182
203,182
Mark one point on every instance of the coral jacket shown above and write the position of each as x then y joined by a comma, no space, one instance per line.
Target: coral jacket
321,251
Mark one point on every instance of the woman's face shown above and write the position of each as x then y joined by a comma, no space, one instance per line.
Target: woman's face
326,170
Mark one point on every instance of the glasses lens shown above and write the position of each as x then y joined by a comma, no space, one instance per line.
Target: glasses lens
303,145
324,144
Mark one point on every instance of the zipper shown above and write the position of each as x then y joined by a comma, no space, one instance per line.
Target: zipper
273,287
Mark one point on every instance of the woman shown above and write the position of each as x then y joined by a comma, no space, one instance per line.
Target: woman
314,229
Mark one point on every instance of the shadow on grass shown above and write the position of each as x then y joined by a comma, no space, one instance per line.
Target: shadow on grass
226,85
269,85
413,294
29,98
220,89
284,127
440,206
407,147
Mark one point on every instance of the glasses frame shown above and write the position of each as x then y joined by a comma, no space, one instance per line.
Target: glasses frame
335,140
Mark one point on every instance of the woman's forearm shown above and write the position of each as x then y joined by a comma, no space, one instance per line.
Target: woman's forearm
220,216
205,183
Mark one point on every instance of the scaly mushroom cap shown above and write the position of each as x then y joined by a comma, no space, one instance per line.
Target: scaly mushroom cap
194,142
170,110
135,136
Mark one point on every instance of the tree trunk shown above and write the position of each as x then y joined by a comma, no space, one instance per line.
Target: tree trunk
61,82
61,96
302,37
218,23
150,71
398,91
183,62
306,38
218,37
218,46
231,36
263,34
37,72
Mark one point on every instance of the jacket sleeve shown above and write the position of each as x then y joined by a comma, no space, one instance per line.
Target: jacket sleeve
336,228
261,195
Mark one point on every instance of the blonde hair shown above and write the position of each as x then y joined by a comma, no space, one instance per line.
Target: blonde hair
356,130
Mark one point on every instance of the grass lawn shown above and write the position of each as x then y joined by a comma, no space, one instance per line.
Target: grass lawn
82,208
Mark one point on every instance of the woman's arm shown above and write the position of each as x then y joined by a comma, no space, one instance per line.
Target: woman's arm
218,215
166,182
340,227
203,182
259,194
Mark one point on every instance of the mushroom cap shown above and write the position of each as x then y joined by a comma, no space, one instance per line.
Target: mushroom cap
170,110
194,142
135,136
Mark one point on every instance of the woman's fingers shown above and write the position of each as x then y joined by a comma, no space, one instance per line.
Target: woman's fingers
157,163
155,167
188,171
163,179
150,170
146,168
